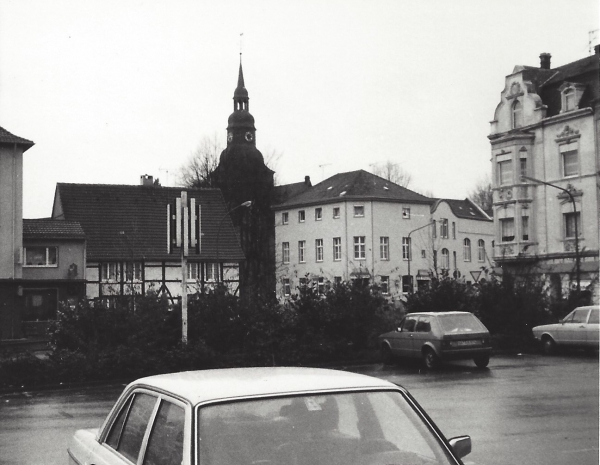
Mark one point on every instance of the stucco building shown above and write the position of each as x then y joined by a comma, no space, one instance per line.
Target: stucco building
356,225
546,128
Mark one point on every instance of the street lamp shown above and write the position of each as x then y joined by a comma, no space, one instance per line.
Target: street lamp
410,252
577,258
246,204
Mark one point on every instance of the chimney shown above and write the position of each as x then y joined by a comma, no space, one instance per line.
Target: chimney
545,60
146,180
307,181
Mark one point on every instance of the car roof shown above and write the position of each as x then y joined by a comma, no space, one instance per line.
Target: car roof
438,313
210,385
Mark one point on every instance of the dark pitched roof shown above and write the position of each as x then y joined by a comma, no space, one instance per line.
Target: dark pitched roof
354,185
8,138
465,209
285,192
47,228
122,222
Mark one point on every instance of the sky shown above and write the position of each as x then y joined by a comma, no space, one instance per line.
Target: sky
110,90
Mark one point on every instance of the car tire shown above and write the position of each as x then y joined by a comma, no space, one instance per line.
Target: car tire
482,361
430,359
549,345
386,354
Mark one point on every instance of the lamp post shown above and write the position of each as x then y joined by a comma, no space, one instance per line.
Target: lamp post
246,204
577,258
410,252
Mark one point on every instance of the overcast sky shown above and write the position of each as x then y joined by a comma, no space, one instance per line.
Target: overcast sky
112,89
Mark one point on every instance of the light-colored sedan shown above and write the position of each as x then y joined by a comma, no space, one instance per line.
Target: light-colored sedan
438,336
266,416
578,329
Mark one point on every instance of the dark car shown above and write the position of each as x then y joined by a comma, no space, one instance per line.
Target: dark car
438,336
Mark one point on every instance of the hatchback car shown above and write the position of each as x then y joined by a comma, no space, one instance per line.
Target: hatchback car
438,336
578,329
266,416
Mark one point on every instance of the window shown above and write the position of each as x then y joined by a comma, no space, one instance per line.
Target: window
445,265
572,221
285,252
359,248
285,218
385,284
193,271
301,216
434,229
318,214
423,253
286,287
467,249
336,212
569,96
405,213
505,172
444,228
480,250
453,230
359,211
133,271
423,325
165,445
39,304
337,249
337,280
211,272
109,272
320,284
523,167
517,114
41,256
507,229
406,248
303,282
301,251
525,228
384,248
407,284
127,434
570,162
319,250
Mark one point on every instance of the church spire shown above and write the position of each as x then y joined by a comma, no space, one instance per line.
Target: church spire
240,95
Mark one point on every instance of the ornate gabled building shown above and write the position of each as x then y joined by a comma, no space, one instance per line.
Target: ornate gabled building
545,161
243,177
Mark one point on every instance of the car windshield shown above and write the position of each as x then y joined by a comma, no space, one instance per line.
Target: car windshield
345,428
464,323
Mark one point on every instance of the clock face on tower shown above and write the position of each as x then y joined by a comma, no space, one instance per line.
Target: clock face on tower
229,137
248,136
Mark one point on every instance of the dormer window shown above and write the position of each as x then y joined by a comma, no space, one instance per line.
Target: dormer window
571,93
517,114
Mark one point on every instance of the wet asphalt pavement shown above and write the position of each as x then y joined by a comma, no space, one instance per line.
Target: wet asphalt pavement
526,409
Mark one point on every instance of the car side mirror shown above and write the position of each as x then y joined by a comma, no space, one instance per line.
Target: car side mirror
399,330
461,445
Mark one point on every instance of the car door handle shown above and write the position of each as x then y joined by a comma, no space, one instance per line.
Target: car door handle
582,326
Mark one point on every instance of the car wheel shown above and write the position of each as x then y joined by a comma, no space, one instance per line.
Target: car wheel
386,354
482,361
549,345
430,359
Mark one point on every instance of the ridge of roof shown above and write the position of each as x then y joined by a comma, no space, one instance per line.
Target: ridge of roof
466,209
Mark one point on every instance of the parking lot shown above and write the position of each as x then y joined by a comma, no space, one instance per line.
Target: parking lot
522,409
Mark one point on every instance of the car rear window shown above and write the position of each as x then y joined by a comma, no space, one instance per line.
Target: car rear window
460,323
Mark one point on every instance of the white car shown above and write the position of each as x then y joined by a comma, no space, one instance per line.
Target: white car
266,416
578,329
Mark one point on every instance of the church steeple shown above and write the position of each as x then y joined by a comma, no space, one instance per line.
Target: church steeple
240,96
240,127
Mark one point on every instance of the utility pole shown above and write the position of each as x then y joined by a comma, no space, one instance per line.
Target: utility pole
182,240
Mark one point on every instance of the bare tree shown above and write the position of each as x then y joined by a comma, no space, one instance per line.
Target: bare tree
482,195
392,172
197,171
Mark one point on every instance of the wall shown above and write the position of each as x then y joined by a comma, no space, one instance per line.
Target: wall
11,211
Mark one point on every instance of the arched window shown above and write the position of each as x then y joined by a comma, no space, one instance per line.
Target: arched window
517,114
481,250
467,250
445,265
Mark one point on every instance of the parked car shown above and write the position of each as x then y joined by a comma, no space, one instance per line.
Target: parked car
267,416
578,329
438,336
